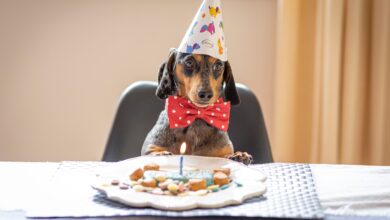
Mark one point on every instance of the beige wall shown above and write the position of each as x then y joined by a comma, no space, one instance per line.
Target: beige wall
63,65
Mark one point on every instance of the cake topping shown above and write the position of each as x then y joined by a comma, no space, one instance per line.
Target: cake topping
152,179
223,170
197,184
149,183
137,174
151,166
220,178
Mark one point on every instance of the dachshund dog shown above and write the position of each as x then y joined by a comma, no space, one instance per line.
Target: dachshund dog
201,79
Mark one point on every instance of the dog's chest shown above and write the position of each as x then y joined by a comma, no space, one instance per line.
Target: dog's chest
198,128
196,134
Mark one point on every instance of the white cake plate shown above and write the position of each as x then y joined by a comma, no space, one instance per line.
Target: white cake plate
252,183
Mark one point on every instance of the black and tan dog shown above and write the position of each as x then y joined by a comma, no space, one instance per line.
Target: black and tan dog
200,79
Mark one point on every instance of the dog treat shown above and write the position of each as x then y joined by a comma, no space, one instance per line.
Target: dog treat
223,170
137,174
115,182
213,188
182,187
148,189
173,187
221,179
149,183
133,183
160,177
164,185
197,184
138,188
123,186
224,186
105,185
152,166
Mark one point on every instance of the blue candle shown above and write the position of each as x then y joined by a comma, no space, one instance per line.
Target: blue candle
181,164
182,151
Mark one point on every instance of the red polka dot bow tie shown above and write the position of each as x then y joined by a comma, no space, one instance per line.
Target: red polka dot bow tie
182,112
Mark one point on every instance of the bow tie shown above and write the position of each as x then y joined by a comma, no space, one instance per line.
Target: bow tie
182,112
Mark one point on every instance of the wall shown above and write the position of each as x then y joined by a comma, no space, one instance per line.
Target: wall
63,65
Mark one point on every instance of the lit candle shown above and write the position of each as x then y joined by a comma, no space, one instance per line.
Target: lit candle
182,151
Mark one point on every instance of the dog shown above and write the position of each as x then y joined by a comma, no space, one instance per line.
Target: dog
201,80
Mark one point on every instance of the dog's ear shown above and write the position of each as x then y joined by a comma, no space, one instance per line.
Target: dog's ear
166,85
231,93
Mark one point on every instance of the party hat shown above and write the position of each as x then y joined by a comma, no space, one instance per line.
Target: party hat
205,34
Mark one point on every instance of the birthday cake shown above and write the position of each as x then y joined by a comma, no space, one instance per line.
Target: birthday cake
152,179
163,182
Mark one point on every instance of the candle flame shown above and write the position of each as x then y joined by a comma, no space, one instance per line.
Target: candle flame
183,148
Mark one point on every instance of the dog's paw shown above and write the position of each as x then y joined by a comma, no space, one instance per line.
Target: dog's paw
242,157
161,153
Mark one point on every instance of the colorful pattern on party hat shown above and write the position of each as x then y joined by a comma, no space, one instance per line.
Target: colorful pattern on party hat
206,34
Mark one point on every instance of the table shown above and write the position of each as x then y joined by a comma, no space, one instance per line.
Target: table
345,191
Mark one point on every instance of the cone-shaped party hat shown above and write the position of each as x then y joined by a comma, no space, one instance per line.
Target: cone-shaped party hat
205,34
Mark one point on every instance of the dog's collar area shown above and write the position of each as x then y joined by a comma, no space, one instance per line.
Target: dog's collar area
182,112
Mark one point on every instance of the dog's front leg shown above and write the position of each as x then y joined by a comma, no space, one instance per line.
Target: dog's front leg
242,157
227,152
157,150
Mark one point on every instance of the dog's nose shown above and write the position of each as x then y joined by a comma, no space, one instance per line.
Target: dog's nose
205,95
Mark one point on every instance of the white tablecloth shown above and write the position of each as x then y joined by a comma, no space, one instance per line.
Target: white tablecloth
342,189
22,182
353,189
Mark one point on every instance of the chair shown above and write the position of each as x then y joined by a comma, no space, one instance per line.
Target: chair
139,109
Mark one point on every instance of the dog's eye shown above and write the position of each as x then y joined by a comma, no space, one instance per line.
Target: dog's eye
189,63
218,66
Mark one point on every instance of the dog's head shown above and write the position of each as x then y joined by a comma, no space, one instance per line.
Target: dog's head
199,78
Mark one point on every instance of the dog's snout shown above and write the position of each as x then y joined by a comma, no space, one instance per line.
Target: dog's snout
205,95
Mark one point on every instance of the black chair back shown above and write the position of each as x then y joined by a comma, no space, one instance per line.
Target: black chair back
139,109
